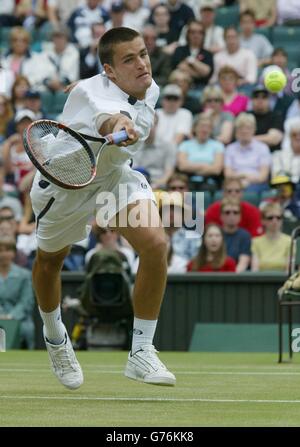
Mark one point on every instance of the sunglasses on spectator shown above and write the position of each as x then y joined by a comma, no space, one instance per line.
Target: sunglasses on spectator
214,100
228,212
172,98
233,190
273,217
11,217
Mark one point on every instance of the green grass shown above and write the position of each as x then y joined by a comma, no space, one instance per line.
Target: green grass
217,389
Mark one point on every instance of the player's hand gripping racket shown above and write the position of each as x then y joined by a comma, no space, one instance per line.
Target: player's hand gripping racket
63,155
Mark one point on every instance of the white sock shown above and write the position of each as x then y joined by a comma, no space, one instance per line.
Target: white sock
54,328
143,333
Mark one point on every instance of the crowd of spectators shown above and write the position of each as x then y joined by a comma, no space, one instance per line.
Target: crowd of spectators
217,129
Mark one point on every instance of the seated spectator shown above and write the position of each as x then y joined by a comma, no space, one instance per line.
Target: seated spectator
33,102
214,34
237,240
287,194
175,216
181,14
6,199
265,11
289,161
7,78
241,59
250,215
270,252
82,18
160,62
6,115
288,12
31,14
7,13
258,43
269,124
212,256
192,58
10,227
166,36
16,294
20,60
20,87
108,238
202,158
223,122
248,158
61,61
157,157
174,122
234,102
16,161
135,15
90,64
184,81
60,11
117,12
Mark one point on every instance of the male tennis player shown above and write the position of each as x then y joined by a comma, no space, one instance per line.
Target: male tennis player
123,96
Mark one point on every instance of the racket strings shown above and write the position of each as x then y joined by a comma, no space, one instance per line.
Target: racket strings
61,155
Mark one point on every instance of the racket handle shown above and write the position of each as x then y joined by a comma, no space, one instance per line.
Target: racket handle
118,137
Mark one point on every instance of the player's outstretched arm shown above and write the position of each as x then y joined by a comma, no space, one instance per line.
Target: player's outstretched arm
119,122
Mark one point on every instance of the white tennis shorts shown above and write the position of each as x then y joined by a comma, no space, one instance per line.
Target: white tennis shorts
63,216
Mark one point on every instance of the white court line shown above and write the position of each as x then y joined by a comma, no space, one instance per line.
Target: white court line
191,373
152,399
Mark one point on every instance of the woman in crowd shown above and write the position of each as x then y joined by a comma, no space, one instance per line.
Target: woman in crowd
19,89
270,252
234,101
212,256
213,102
201,157
6,115
248,158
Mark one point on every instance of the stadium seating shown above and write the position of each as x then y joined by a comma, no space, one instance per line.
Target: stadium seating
283,35
53,103
228,16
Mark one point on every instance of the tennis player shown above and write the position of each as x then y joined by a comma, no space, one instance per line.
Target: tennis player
122,97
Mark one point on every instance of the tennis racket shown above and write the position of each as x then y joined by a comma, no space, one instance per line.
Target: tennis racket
63,155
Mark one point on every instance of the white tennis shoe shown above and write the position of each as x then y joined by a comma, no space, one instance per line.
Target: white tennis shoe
145,366
64,364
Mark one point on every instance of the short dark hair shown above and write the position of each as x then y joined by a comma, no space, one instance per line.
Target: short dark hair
111,38
248,12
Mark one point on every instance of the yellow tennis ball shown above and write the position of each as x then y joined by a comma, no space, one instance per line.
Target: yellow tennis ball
275,80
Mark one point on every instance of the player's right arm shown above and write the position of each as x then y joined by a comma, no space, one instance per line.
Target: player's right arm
118,122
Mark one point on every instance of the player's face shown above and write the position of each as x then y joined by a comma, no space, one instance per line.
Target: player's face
131,69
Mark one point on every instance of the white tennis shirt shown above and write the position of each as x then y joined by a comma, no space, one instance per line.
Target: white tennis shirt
92,101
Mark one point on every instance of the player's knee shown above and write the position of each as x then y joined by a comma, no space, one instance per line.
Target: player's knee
50,262
156,247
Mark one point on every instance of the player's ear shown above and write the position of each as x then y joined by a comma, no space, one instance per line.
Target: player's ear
109,71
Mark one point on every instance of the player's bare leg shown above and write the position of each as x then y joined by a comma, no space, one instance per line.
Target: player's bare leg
47,286
151,245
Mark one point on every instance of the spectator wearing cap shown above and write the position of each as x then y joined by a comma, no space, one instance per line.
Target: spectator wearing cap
160,62
184,81
16,293
157,157
250,215
223,122
181,14
247,158
202,158
61,61
136,15
193,58
289,161
269,124
174,122
258,43
117,12
237,240
166,36
33,102
16,161
234,101
241,59
82,18
90,64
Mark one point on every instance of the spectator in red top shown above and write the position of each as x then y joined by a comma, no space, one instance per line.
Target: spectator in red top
250,215
212,256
